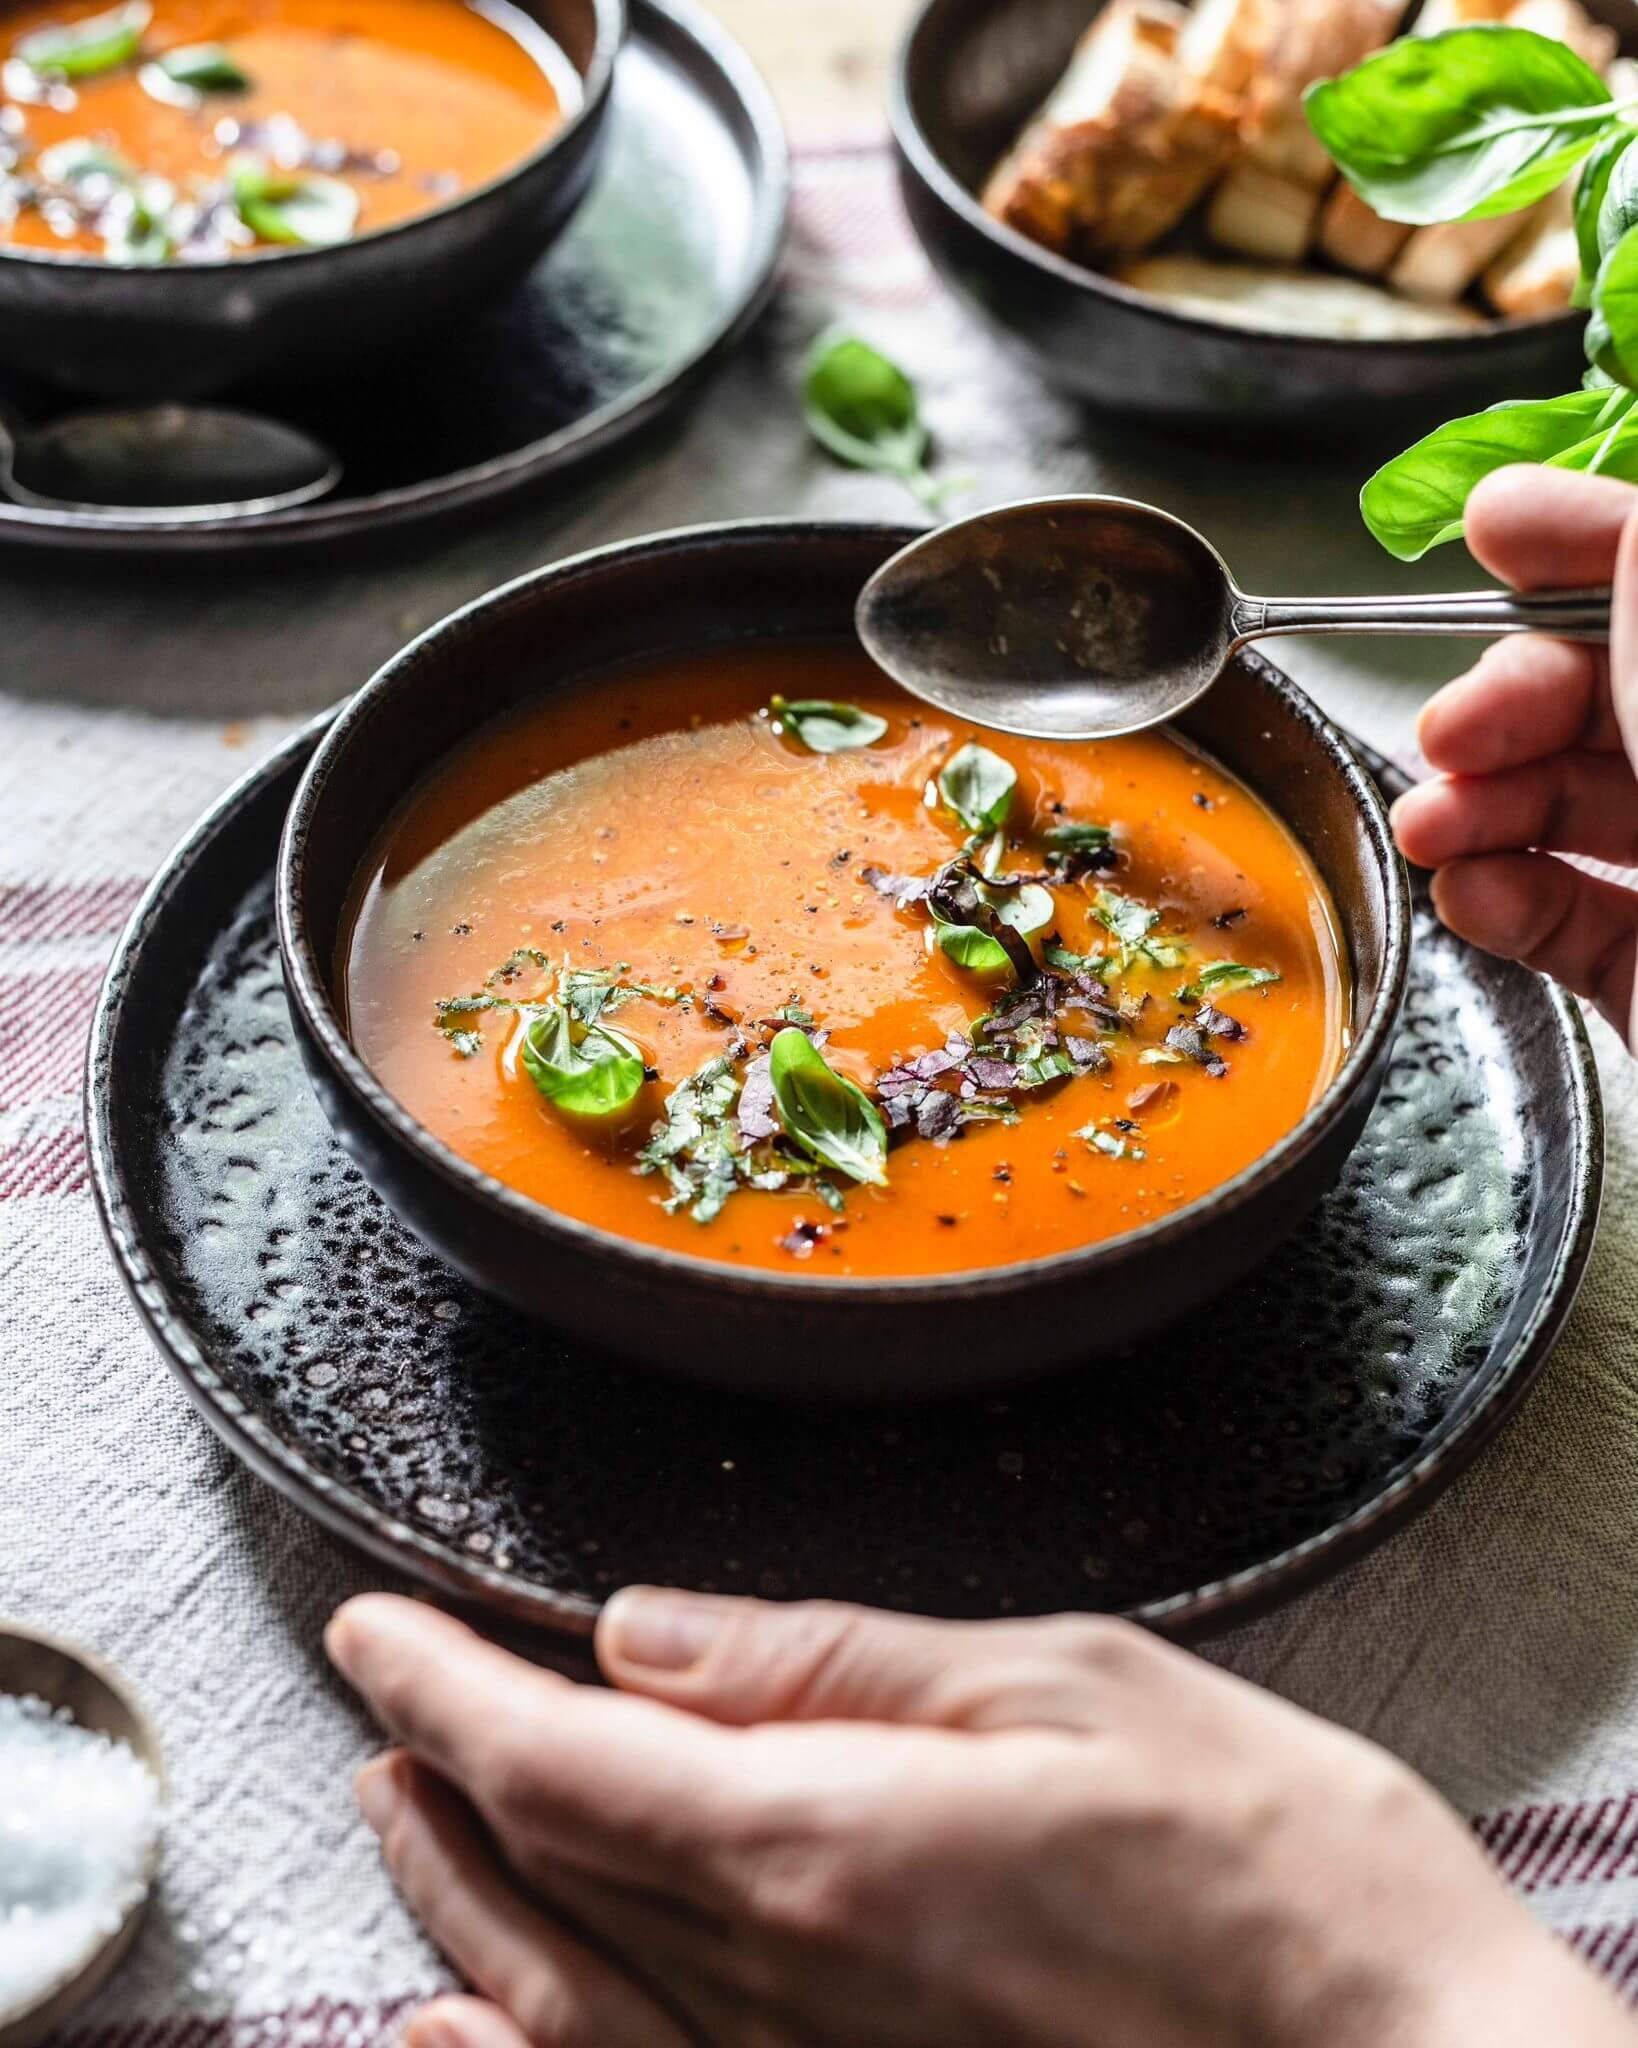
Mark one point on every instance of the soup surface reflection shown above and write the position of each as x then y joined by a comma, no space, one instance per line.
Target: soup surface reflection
192,129
1020,995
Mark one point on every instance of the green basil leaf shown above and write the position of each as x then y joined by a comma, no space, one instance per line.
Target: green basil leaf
830,1117
1133,924
203,67
1618,204
300,209
137,234
1416,501
825,728
594,1075
862,407
1079,838
1223,977
83,49
978,785
1591,188
1612,329
79,158
1460,126
1026,909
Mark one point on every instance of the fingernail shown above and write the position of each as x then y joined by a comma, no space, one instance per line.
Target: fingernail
661,1630
376,1790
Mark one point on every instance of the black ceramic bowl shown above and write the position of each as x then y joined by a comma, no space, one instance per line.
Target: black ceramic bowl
796,1333
968,76
183,330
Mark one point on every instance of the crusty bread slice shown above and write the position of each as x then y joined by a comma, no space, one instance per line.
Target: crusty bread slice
1280,301
1566,21
1442,262
1356,236
1257,213
1536,272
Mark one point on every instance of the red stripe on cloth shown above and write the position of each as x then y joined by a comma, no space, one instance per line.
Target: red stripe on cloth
53,910
54,1165
1544,1847
44,1019
326,2023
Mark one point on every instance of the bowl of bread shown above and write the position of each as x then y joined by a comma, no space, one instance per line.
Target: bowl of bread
1131,191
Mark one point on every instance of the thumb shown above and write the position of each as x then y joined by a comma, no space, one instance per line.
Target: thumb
744,1661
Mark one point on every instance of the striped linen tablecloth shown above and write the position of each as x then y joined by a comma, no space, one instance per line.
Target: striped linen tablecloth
1494,1644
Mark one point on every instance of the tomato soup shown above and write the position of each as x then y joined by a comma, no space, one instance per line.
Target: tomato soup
749,956
190,129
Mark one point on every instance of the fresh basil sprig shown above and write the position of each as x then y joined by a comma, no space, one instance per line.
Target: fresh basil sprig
84,49
595,1074
978,786
1459,126
863,408
823,727
1028,908
1476,122
830,1117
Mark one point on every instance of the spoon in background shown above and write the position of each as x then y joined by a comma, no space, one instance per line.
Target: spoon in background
161,464
1083,618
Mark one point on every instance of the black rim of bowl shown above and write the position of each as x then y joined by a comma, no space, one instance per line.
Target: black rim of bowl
916,150
611,17
1193,1612
307,975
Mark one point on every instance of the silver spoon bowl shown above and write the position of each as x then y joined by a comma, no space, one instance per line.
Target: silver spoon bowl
163,464
1083,618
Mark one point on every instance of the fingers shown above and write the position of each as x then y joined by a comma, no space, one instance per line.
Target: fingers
614,1784
1547,529
559,1993
1569,803
1530,907
463,2023
1624,641
1522,700
745,1661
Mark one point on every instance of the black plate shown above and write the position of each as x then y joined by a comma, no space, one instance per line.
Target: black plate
662,269
1281,1431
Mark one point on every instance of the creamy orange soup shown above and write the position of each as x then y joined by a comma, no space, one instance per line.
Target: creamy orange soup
1177,1006
205,128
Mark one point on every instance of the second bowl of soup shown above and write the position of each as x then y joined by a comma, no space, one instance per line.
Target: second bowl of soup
678,977
193,192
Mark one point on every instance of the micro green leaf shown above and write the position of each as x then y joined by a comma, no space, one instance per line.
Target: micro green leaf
1460,126
863,408
978,786
203,67
1028,908
823,727
299,209
828,1116
1224,977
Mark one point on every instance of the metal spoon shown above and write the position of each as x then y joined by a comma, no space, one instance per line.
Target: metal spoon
163,464
1082,618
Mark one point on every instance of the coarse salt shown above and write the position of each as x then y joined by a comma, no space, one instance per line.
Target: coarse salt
79,1814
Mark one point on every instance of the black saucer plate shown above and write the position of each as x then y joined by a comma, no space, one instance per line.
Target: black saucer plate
661,271
1281,1431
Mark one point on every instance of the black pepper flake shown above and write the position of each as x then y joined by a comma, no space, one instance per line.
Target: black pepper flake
417,935
801,1238
1225,918
1202,801
949,1222
462,930
717,982
560,924
1003,1172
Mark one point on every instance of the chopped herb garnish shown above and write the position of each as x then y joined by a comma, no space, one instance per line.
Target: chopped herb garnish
1223,977
300,209
203,67
1189,1042
1107,1142
823,727
466,1043
830,1117
978,786
592,992
1133,924
594,1071
697,1145
1024,910
1216,1023
1161,1056
84,49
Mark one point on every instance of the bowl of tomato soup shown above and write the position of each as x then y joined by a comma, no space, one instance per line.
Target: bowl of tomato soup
681,980
197,192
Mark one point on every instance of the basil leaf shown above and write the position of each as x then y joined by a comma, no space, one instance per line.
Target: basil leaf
300,209
1079,838
830,1117
594,1075
978,785
136,233
1416,501
203,67
863,408
83,49
1026,909
1133,925
825,728
1591,188
1460,126
79,158
1612,330
1221,977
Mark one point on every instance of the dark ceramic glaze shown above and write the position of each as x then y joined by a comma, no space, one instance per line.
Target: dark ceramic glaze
660,272
969,74
797,1333
187,330
1274,1436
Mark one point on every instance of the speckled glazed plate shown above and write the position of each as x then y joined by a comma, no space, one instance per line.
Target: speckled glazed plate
661,271
1283,1430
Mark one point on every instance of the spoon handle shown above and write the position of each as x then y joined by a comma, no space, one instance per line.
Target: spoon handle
1568,614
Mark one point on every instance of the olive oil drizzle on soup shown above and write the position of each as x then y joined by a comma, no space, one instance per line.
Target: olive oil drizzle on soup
579,940
181,130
